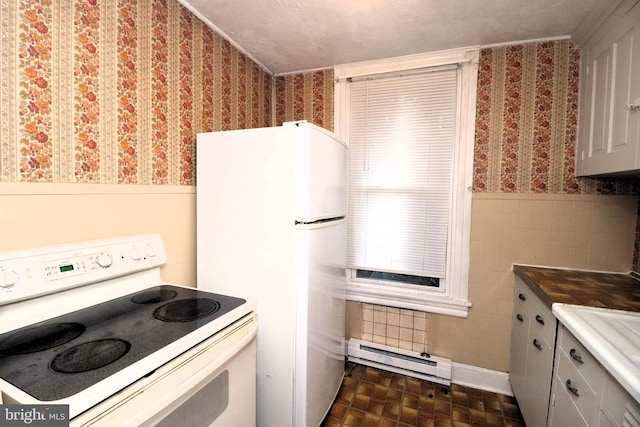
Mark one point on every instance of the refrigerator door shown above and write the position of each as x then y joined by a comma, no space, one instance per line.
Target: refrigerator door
321,174
252,187
320,314
245,246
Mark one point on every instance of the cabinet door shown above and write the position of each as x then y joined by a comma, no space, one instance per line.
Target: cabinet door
518,360
563,412
609,134
538,380
618,408
604,421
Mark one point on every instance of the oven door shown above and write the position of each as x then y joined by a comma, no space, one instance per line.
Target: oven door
212,384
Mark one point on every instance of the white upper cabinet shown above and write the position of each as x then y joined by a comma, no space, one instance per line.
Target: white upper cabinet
608,140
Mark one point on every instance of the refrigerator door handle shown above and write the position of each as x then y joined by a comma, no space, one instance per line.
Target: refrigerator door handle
320,221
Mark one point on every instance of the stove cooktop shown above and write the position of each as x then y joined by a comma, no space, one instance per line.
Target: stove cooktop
62,356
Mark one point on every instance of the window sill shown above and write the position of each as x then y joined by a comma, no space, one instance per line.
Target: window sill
411,299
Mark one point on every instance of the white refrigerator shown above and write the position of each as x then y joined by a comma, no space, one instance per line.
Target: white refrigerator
271,225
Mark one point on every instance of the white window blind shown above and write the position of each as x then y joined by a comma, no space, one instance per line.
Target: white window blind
402,131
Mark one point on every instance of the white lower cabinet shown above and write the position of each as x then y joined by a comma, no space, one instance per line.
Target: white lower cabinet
533,336
555,379
583,393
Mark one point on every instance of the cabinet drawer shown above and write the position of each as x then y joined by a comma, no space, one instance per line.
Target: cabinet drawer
581,361
582,395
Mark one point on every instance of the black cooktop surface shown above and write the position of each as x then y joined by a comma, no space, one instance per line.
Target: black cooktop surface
60,357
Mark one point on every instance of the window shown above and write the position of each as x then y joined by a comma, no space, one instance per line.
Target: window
409,123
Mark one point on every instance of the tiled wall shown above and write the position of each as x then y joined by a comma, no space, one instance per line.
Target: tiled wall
585,232
389,326
579,231
115,91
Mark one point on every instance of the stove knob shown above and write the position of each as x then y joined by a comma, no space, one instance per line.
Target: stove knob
135,254
150,251
104,260
8,278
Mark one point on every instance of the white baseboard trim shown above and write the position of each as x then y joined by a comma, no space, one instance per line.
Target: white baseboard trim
481,378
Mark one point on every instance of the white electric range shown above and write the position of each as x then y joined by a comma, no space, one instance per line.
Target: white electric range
93,326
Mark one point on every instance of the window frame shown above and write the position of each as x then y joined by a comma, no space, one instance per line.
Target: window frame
453,299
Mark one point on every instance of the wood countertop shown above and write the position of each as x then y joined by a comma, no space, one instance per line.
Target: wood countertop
616,291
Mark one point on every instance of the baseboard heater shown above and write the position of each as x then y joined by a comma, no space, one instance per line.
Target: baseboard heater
424,366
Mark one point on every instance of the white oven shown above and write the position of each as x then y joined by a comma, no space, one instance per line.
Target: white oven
92,325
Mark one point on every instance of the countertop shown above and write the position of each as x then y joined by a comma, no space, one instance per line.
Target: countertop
602,310
579,287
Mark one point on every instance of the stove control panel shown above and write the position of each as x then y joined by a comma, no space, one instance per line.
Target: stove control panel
31,273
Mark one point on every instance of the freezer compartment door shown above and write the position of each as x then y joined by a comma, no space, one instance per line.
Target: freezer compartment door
321,174
320,324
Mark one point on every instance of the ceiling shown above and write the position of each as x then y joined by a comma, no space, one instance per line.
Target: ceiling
286,36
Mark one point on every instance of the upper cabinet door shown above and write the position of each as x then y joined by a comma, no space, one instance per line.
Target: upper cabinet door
609,129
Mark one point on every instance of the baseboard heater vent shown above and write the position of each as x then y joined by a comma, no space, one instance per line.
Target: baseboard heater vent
400,361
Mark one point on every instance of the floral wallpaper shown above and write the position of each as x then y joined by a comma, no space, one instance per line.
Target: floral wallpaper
526,119
526,122
116,91
306,96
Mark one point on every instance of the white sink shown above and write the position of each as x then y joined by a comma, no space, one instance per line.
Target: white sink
611,336
620,329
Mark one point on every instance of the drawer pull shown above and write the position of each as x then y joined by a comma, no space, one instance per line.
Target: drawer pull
519,317
537,344
575,356
572,389
521,297
539,319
